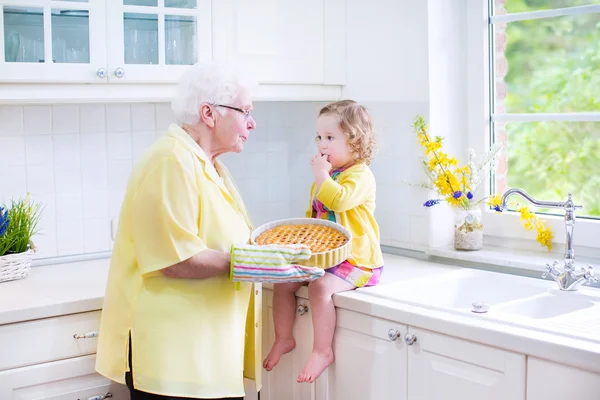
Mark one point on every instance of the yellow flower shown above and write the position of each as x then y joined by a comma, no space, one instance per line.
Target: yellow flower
495,201
544,235
527,217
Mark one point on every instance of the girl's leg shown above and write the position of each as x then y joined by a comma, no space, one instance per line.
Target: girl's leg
320,294
284,311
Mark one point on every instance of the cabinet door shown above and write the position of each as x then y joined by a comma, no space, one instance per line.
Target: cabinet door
370,359
47,41
283,42
280,383
155,41
70,379
444,367
550,381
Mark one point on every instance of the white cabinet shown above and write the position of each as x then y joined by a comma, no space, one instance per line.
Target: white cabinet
135,50
550,381
153,42
370,359
280,383
283,42
53,358
380,359
69,379
46,41
444,367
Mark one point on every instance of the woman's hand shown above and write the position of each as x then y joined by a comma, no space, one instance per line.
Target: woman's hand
320,167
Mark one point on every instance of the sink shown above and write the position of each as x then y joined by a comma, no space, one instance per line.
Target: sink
458,290
546,306
513,300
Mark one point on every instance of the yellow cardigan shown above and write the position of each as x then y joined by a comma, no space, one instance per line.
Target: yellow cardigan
352,198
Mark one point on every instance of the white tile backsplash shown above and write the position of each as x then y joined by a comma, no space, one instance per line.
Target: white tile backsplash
12,120
143,117
16,155
118,118
39,150
77,159
37,120
65,119
92,118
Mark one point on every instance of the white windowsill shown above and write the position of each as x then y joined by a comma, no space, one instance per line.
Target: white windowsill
510,258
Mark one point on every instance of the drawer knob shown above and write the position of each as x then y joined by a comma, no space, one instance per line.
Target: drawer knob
302,309
101,397
88,335
393,334
410,339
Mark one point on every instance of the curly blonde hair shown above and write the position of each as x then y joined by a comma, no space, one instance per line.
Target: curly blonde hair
355,122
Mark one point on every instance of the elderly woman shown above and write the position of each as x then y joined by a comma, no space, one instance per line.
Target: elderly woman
181,315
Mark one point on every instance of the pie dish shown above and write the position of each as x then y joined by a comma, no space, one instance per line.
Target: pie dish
330,243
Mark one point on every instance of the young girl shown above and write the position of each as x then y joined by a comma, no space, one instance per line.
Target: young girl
343,192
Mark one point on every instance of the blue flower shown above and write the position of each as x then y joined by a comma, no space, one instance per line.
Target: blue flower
469,195
457,194
3,221
431,203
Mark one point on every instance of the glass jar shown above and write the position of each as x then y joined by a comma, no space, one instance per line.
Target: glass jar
468,229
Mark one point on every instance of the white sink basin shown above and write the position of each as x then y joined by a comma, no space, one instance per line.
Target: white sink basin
458,290
513,300
547,306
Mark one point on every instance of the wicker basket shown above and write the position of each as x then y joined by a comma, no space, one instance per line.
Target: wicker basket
16,266
326,259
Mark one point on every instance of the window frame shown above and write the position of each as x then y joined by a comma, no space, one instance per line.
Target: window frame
505,229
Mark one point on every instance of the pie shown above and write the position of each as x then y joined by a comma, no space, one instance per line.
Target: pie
319,238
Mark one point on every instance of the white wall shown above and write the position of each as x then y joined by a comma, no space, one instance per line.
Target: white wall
448,96
77,158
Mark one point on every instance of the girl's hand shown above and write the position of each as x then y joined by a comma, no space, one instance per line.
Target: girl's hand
320,165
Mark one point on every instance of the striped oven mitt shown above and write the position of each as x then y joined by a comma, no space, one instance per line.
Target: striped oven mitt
271,263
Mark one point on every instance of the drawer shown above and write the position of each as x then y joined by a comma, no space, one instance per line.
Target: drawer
73,379
49,339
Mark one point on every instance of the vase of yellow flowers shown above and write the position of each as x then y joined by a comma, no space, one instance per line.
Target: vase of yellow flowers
18,224
458,185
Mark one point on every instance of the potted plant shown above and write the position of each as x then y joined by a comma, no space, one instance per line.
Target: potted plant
19,221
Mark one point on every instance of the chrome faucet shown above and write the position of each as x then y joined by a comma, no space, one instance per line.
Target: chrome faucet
568,279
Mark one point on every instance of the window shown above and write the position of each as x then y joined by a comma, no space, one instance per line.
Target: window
544,99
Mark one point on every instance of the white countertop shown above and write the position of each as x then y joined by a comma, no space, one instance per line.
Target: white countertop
79,287
54,290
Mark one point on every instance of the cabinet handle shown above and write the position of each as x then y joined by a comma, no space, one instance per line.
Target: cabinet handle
410,339
302,309
393,334
101,73
119,72
101,397
88,335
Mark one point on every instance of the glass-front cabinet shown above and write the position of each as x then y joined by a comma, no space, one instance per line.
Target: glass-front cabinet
102,40
154,40
58,41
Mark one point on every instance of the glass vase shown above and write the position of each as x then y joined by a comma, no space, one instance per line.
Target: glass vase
468,229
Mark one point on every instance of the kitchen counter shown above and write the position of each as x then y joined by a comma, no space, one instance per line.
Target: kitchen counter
54,290
79,287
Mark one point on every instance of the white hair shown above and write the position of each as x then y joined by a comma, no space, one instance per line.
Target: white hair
209,82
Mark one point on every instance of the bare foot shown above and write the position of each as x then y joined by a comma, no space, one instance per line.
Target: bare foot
316,364
279,348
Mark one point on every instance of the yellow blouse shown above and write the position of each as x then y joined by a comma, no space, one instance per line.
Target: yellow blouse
190,337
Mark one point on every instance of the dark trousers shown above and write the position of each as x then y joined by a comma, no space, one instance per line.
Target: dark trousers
138,395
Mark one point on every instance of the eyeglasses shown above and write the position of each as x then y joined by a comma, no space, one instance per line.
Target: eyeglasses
247,113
